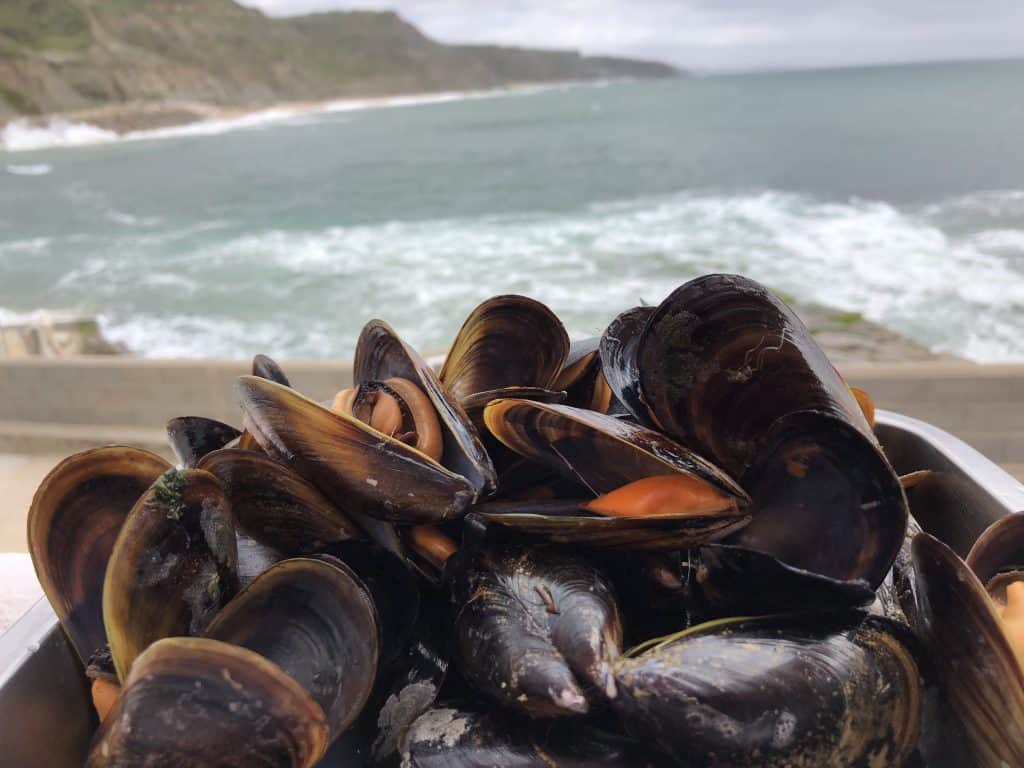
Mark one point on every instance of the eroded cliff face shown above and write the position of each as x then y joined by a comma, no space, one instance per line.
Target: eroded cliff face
66,55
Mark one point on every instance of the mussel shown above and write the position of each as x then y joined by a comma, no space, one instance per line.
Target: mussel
173,566
73,522
726,368
192,437
973,630
202,703
776,692
536,630
651,492
316,622
356,465
506,342
445,737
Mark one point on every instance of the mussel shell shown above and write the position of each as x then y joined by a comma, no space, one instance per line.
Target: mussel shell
722,358
392,585
602,451
173,567
735,581
445,737
979,671
580,361
507,341
566,523
381,355
1000,548
825,500
774,693
267,368
536,629
276,506
73,523
315,621
476,403
618,359
205,704
349,461
192,437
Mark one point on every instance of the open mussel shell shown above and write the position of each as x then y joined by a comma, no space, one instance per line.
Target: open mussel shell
192,437
73,523
276,506
564,522
316,621
601,451
173,567
978,669
776,693
507,341
381,355
722,358
392,586
999,550
618,360
206,704
349,461
267,368
825,500
536,629
445,737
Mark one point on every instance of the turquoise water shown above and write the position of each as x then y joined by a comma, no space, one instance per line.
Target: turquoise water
896,192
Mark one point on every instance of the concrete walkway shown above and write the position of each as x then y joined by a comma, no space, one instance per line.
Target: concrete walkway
20,475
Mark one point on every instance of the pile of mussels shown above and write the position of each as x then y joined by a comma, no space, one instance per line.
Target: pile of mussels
678,544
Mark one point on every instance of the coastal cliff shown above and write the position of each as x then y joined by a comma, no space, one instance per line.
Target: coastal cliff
161,57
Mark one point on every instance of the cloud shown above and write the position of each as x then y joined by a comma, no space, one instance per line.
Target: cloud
718,34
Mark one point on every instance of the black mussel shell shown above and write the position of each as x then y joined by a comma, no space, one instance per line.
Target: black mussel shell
316,622
73,523
736,581
276,506
978,669
445,737
381,355
776,693
355,466
618,360
205,704
267,368
173,567
192,437
825,500
722,358
392,586
536,630
507,341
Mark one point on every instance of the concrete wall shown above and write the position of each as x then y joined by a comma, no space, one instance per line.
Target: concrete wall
58,405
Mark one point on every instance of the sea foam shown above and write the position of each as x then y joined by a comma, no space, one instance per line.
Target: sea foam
306,293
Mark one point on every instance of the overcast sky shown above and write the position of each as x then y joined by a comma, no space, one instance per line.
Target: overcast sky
719,34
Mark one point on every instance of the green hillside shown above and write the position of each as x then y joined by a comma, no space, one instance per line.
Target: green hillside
63,55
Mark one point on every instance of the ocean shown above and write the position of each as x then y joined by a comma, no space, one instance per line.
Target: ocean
895,192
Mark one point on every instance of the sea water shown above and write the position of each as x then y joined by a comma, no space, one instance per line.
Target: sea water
896,192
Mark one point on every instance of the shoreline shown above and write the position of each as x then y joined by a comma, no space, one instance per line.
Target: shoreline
164,119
